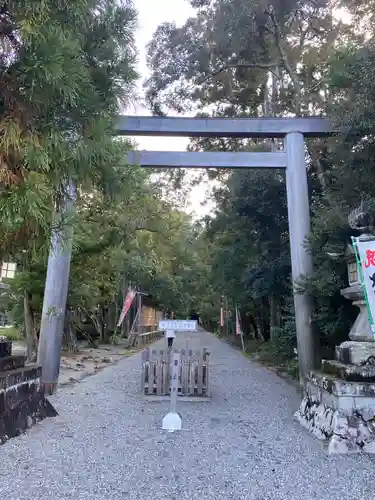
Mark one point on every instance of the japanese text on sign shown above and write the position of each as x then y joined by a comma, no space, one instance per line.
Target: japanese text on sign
177,325
370,258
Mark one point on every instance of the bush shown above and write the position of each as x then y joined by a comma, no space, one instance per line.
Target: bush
284,340
12,334
293,368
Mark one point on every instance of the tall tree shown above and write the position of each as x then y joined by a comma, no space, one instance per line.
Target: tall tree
226,52
65,70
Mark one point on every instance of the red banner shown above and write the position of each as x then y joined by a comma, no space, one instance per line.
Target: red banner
127,304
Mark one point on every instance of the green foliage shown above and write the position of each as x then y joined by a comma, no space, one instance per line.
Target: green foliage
135,235
276,59
12,334
223,55
65,69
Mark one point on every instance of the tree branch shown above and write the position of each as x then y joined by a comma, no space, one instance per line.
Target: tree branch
285,60
260,65
146,229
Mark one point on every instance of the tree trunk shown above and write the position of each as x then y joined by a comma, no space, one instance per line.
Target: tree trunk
111,316
69,337
257,324
264,311
260,327
126,324
103,326
31,339
254,326
275,315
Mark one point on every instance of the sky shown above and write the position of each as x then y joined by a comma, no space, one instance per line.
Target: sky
152,13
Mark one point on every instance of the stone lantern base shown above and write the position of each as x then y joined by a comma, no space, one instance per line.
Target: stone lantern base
339,403
339,411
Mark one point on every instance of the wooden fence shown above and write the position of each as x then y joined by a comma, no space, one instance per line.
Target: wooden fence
140,340
193,377
143,339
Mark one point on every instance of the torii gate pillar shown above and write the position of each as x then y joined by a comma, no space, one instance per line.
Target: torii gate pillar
301,259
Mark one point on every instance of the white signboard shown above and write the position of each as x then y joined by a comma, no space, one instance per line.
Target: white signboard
366,257
178,325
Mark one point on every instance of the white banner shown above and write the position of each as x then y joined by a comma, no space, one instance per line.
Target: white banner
177,325
366,256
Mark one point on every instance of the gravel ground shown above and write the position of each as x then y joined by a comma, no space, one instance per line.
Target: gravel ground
107,443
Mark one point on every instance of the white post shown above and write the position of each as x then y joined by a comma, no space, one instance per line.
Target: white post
172,420
174,383
55,293
299,228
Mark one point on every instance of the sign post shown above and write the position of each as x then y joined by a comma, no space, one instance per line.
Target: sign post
172,421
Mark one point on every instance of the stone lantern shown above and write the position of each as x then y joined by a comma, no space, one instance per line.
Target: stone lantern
339,404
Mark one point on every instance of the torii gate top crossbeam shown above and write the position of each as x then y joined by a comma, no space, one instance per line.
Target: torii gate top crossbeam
222,127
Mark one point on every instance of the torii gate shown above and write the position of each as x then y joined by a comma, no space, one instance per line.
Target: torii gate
293,130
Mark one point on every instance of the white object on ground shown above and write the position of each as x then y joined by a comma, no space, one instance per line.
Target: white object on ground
172,422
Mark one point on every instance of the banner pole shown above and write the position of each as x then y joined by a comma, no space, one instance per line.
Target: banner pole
238,328
242,341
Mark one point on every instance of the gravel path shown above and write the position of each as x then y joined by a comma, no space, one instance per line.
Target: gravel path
107,444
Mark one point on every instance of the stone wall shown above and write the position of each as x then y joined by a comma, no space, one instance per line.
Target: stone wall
22,403
339,413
